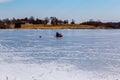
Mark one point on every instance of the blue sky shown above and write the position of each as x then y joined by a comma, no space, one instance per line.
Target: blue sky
80,10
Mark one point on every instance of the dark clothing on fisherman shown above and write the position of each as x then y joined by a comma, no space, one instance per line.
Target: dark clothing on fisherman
58,34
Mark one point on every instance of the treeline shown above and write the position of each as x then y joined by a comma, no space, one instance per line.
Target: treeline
6,23
113,25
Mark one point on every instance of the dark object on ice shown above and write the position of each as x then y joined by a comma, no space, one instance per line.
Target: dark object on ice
58,34
40,36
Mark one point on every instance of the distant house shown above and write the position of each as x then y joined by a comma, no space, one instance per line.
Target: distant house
17,25
2,26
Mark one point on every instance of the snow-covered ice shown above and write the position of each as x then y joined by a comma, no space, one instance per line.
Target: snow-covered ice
79,55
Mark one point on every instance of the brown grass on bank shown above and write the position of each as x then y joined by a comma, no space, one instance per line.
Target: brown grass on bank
76,26
67,26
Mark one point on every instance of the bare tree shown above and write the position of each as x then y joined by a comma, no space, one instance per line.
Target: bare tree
73,21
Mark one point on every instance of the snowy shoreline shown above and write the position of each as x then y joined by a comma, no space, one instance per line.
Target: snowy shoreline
50,71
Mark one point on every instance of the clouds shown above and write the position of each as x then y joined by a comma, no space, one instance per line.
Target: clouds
3,1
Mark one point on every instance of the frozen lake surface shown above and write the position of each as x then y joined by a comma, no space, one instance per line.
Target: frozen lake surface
79,55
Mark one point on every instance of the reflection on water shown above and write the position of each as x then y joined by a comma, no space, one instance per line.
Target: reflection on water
87,50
